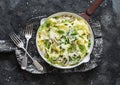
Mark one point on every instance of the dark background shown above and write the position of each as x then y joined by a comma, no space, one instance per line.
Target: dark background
107,73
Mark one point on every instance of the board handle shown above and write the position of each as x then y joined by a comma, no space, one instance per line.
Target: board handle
6,46
86,15
93,8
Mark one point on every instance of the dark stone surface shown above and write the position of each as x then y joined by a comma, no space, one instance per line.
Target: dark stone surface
107,73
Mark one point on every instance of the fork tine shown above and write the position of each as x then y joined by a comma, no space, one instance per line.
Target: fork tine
29,29
13,39
26,32
16,37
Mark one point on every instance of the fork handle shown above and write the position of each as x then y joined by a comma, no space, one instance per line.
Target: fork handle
24,60
38,65
35,62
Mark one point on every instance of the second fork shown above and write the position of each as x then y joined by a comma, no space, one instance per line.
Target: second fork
28,35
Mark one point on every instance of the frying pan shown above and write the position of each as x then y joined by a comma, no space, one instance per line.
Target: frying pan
86,17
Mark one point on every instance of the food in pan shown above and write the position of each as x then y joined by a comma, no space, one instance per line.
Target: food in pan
64,40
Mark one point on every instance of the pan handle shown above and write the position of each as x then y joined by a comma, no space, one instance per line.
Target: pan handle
94,6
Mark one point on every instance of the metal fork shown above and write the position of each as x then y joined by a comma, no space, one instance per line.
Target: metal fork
28,35
18,42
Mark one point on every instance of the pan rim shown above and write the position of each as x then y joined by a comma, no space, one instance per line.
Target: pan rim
86,58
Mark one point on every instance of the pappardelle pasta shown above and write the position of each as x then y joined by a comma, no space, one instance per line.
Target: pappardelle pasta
64,40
